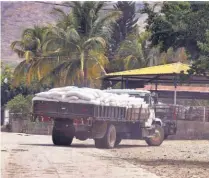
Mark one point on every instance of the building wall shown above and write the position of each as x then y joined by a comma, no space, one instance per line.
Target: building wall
192,130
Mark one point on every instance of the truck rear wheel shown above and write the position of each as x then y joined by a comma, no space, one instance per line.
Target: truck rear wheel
108,141
99,143
157,138
59,138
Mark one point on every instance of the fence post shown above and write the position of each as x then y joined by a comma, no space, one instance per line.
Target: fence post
204,114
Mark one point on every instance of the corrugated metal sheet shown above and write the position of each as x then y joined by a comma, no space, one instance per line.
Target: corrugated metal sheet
161,69
179,88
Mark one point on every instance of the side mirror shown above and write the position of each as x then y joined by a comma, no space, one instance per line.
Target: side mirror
147,98
154,95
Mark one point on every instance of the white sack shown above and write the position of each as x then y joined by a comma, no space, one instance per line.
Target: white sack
37,98
79,94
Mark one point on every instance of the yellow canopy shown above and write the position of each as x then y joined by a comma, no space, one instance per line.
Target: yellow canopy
176,68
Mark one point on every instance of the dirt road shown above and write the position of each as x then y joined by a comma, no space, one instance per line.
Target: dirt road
35,156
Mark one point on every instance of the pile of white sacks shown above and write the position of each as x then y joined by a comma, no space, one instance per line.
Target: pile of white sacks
90,96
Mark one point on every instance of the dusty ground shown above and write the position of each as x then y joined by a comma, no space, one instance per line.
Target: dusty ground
173,159
34,156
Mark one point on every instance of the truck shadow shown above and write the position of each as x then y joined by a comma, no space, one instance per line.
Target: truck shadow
81,145
70,146
130,146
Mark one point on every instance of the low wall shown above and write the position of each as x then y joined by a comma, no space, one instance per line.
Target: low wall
38,128
191,130
185,129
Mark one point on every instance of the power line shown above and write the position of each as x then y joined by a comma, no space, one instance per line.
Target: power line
64,5
57,4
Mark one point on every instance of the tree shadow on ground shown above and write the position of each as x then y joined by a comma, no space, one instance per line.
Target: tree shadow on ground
163,162
160,162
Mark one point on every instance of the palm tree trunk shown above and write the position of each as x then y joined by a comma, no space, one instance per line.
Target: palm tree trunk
83,70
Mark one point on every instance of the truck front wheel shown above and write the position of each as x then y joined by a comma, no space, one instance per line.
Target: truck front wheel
157,138
59,138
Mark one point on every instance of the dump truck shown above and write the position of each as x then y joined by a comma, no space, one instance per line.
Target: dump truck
107,125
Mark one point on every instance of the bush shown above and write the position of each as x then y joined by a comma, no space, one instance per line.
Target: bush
20,104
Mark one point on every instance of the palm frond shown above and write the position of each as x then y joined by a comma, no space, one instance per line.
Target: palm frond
55,72
32,71
16,43
73,73
28,32
28,56
130,62
105,21
94,40
59,12
99,6
72,34
20,53
38,42
98,57
20,72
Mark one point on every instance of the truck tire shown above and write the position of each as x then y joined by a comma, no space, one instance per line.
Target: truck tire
108,141
118,140
110,137
158,137
99,143
59,138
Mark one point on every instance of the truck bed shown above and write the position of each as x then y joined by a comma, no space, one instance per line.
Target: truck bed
57,109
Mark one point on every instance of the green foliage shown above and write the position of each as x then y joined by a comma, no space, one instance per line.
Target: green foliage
6,73
179,24
201,66
85,43
31,48
6,78
85,35
20,104
8,91
125,25
65,53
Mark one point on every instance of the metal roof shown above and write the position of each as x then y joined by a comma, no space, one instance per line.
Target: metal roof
198,89
129,91
160,74
183,92
176,68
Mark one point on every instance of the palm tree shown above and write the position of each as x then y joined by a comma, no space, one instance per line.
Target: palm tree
30,47
79,40
135,52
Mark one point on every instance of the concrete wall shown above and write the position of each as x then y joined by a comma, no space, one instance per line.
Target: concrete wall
185,129
192,130
38,128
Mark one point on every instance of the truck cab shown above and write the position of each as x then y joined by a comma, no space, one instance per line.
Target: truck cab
151,98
